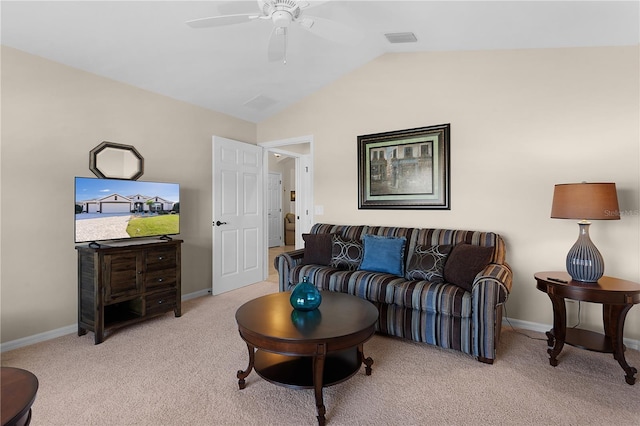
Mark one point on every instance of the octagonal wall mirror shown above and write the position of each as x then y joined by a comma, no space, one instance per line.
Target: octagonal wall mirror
115,160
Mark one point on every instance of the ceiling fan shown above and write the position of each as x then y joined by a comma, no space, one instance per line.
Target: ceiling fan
283,14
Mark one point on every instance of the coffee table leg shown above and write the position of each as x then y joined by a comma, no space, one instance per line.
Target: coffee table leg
368,362
243,374
318,371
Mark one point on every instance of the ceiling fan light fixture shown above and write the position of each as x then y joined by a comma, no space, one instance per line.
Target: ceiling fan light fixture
281,18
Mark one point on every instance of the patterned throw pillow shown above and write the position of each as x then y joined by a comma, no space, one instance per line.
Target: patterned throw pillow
427,263
345,254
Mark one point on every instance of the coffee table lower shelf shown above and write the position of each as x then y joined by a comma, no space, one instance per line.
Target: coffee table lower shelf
296,372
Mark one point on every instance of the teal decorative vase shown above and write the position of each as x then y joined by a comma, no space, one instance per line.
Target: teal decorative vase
305,296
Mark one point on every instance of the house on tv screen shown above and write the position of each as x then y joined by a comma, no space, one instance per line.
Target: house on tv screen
116,203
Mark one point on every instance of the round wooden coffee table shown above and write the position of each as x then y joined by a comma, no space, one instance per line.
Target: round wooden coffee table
304,350
19,388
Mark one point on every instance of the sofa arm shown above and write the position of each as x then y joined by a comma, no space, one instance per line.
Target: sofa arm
490,290
499,275
284,263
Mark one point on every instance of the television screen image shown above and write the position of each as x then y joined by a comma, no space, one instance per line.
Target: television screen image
116,209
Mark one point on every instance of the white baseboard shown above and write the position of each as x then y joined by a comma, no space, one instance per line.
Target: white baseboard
69,329
543,328
48,335
40,337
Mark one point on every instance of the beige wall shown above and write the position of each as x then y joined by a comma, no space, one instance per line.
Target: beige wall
521,121
52,116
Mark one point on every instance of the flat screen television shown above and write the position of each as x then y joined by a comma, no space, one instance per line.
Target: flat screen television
117,209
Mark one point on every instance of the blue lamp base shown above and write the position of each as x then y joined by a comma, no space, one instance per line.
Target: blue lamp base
584,261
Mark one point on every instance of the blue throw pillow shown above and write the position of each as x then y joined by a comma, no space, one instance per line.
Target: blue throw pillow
384,254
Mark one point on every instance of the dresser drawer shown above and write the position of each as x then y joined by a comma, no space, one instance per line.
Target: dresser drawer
164,258
161,278
160,302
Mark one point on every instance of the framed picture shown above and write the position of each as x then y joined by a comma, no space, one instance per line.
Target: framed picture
405,169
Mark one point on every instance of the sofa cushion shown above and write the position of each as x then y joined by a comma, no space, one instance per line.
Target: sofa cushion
427,263
465,262
383,254
430,237
431,298
345,253
317,249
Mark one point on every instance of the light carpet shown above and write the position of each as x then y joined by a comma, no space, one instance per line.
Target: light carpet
182,371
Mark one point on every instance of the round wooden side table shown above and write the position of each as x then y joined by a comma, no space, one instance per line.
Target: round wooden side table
18,392
616,296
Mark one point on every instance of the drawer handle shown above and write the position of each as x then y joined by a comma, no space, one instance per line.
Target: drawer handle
160,258
160,302
160,280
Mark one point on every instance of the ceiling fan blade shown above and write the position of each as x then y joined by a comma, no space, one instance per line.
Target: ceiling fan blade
219,21
331,30
236,7
277,45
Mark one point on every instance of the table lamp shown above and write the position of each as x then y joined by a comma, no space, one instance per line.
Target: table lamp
585,201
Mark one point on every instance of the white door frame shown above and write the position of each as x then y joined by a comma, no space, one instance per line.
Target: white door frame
304,185
280,218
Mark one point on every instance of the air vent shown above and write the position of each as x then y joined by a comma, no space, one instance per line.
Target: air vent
260,103
401,37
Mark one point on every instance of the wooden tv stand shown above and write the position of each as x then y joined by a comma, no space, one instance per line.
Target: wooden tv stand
120,285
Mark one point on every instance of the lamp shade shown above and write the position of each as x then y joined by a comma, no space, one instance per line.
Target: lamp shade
585,201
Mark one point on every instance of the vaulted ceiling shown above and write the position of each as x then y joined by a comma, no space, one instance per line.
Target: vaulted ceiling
148,45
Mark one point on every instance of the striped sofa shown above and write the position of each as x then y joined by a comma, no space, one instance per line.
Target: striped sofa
440,314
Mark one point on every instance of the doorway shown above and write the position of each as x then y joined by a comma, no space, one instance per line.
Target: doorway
300,150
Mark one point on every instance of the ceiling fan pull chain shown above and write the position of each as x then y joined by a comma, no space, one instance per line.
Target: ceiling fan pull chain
286,36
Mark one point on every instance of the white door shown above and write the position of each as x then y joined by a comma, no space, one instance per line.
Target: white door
238,223
274,209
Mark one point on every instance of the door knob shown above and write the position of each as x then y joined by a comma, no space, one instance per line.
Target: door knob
218,223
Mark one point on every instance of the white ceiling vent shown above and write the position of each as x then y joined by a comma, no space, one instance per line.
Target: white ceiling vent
260,103
401,37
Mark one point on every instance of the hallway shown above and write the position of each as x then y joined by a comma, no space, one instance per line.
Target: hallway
273,252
